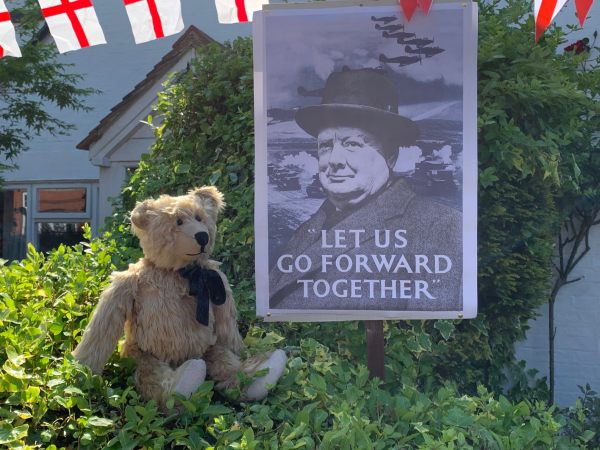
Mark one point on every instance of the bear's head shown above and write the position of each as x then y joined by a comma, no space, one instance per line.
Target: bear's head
176,231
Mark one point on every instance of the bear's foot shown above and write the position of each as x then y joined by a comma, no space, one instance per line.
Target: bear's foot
259,387
189,376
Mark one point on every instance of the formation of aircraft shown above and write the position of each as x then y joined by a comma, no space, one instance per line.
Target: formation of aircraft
413,45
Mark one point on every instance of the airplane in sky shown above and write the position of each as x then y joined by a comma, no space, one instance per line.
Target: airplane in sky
389,27
385,20
401,60
419,42
428,52
303,92
398,35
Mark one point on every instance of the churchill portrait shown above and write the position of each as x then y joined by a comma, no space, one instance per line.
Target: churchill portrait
378,218
364,165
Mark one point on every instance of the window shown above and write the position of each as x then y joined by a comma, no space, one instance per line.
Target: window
13,228
46,215
62,200
50,235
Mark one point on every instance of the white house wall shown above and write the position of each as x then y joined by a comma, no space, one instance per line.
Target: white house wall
113,174
122,129
577,343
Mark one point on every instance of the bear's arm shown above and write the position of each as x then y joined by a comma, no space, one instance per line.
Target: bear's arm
225,315
108,320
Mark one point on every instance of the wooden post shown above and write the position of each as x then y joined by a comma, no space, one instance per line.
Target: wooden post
375,348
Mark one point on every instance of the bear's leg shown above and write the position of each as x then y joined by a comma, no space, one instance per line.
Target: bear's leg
260,387
223,366
156,380
188,377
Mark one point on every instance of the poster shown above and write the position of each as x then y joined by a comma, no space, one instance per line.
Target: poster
366,162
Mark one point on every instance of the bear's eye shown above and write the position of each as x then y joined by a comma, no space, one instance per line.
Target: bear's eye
198,218
179,222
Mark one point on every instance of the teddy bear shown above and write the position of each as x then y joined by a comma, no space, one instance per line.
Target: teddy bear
176,307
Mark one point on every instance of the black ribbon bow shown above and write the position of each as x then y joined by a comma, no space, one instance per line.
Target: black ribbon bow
207,286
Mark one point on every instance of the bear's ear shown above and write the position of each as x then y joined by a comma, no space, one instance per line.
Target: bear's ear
142,214
210,198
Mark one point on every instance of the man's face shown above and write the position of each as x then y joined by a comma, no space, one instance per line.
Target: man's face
351,166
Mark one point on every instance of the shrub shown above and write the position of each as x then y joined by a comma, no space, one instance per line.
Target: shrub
529,111
324,400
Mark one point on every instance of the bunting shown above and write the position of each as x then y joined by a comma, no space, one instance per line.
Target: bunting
545,12
583,8
8,40
234,11
154,19
72,24
410,6
425,6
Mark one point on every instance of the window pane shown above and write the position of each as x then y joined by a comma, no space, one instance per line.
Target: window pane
51,234
13,211
62,200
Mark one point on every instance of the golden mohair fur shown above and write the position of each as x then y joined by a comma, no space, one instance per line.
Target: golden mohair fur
150,302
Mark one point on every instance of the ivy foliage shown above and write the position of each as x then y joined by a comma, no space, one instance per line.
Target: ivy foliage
432,397
324,400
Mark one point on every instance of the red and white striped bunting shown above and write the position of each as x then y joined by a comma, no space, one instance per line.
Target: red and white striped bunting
583,8
154,19
234,11
410,6
72,24
8,40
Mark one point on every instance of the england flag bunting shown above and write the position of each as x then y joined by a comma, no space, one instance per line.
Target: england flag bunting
8,41
233,11
72,24
154,19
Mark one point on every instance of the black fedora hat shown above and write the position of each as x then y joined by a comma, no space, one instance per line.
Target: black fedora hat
362,98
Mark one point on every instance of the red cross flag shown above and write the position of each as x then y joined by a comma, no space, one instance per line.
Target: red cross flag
153,19
8,41
234,11
73,24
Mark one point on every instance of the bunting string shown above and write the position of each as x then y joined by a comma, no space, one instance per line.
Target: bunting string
74,25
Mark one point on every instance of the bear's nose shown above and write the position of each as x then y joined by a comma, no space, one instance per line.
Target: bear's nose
202,238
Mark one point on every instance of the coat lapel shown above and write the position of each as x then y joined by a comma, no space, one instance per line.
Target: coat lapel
307,240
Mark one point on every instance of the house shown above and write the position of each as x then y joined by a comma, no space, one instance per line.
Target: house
117,143
57,188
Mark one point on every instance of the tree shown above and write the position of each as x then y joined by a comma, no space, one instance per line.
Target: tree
579,196
30,85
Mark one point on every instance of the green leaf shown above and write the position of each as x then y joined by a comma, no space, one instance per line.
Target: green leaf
32,393
9,434
100,422
15,358
445,327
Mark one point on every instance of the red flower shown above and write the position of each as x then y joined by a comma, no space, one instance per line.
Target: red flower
579,46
